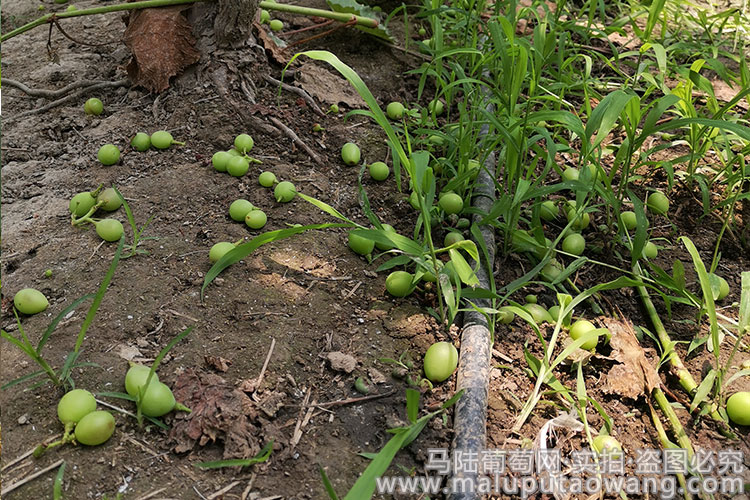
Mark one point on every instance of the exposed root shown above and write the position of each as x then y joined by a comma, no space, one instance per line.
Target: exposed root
64,100
290,133
300,92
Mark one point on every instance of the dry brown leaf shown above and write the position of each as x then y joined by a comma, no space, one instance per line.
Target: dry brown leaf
217,362
276,52
328,87
162,44
219,413
634,376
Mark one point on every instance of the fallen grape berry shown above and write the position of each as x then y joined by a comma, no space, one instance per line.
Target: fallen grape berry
267,179
350,153
108,154
243,143
219,250
93,106
238,166
360,244
95,428
239,209
256,219
395,110
109,200
30,301
75,405
141,141
157,400
658,202
109,229
161,139
276,25
81,203
379,171
136,377
220,159
451,203
398,283
440,361
284,192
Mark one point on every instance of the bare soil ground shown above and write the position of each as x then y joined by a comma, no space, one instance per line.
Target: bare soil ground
309,295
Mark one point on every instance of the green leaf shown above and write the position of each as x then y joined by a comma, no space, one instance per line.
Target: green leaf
57,486
464,270
241,251
327,484
262,456
354,7
702,391
708,297
58,318
98,297
412,404
744,320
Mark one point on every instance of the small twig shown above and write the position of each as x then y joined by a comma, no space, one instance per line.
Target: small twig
181,315
300,92
247,490
29,453
297,434
223,490
265,364
95,250
71,97
195,488
342,402
27,479
152,494
116,408
354,289
290,133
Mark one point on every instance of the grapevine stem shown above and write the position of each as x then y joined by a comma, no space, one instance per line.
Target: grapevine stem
294,9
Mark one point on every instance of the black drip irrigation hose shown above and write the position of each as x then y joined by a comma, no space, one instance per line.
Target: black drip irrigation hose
470,420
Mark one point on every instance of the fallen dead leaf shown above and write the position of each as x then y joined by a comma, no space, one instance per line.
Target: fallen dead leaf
217,362
162,44
327,87
634,375
128,352
341,362
220,412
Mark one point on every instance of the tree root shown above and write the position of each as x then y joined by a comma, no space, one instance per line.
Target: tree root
300,92
290,133
87,85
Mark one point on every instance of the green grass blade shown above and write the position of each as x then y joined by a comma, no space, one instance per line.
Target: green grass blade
57,320
23,379
116,395
326,208
703,389
262,456
412,404
364,487
57,486
708,296
99,295
744,321
359,85
245,249
327,484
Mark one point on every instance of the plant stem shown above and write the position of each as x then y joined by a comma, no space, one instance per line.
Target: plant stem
294,9
686,380
342,17
96,10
